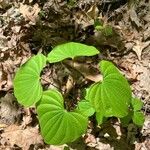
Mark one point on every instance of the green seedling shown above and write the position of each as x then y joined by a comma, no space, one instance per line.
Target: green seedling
58,126
71,3
134,115
105,29
110,97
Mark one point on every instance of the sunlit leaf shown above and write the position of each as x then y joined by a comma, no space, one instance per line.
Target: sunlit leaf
86,108
136,104
58,126
100,116
70,50
138,118
27,86
111,96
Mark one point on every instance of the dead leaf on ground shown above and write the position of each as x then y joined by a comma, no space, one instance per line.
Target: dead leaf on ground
69,84
139,47
16,29
143,146
146,127
93,12
134,17
4,3
15,135
89,138
88,71
8,110
147,33
27,118
52,147
30,13
103,146
86,18
144,79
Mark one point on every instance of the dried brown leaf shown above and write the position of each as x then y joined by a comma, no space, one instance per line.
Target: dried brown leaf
15,135
93,12
147,33
139,47
69,84
30,13
89,72
8,110
134,17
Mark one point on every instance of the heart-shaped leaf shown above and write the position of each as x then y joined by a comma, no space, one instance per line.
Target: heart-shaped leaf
58,126
112,96
71,50
27,86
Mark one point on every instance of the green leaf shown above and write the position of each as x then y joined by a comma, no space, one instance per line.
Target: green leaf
108,31
70,50
58,126
27,86
113,94
138,118
126,120
100,117
86,108
98,22
136,104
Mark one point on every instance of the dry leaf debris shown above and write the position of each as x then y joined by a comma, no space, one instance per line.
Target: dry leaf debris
9,111
63,23
23,138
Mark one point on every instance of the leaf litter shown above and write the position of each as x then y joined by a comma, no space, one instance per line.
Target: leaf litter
128,47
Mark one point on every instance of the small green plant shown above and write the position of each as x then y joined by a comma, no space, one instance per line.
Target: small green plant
110,97
105,29
134,113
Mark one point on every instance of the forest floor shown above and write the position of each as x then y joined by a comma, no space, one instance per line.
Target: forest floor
28,27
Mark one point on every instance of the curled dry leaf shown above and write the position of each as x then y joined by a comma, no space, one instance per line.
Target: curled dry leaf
93,12
86,18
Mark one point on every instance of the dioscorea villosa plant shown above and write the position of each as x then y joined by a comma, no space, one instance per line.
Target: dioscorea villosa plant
107,98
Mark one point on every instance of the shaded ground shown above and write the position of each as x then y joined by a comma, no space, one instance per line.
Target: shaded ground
31,27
